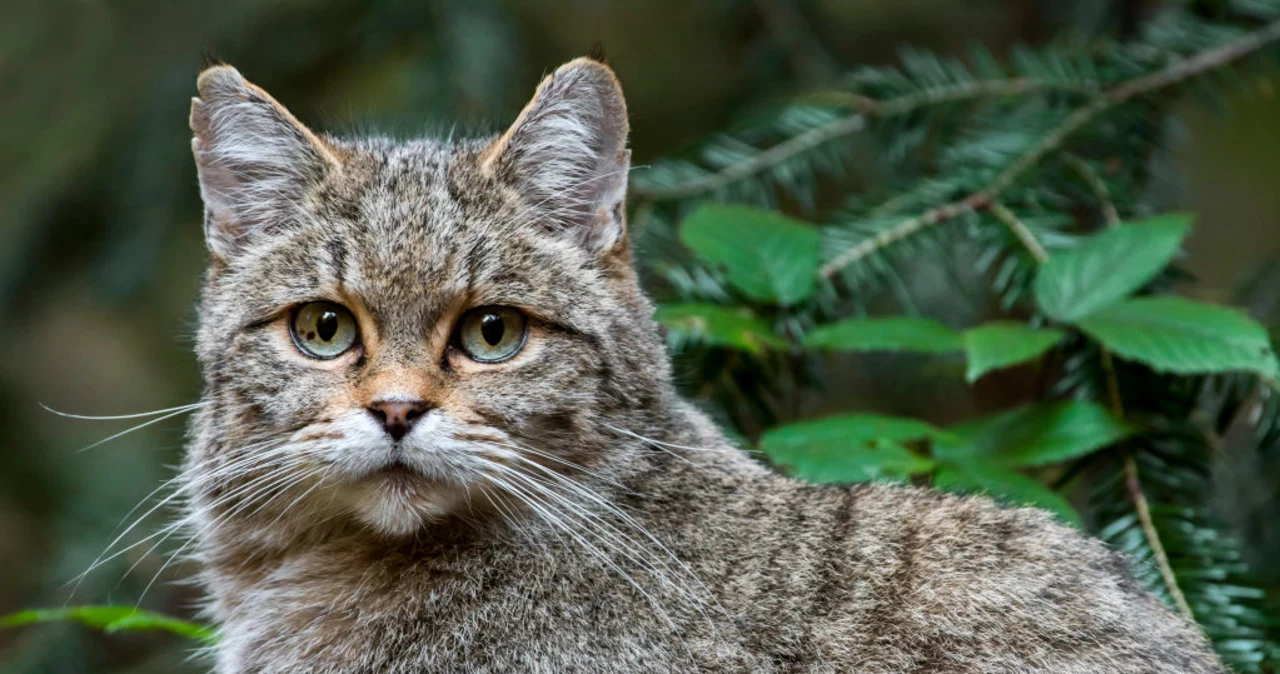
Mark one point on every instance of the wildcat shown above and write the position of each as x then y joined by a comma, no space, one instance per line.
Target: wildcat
439,434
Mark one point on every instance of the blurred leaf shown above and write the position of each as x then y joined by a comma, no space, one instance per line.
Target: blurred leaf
112,619
716,325
1033,435
851,448
895,333
1172,334
768,256
1108,266
1004,485
1004,343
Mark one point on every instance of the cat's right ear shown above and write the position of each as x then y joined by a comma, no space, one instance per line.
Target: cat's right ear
255,159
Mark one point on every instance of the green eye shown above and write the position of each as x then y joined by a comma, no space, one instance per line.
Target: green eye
323,330
492,334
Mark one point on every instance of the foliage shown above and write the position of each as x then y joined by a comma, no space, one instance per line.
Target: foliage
780,260
1033,171
113,619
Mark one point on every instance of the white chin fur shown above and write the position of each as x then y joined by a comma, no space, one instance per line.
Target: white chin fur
395,510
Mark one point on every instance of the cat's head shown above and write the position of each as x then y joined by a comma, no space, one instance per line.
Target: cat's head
390,331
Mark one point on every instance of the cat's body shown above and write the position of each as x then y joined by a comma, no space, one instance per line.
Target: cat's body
795,578
407,504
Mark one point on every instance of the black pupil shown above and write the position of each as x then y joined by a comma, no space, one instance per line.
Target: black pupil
492,329
327,326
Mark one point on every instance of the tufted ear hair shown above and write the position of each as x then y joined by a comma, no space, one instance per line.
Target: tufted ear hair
567,152
255,159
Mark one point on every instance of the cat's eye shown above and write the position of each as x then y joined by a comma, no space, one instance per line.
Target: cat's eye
491,334
323,330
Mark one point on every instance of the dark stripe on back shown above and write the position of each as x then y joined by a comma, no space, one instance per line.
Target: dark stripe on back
827,591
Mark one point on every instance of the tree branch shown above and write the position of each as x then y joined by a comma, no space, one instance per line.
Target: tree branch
1207,60
866,108
1020,230
1133,485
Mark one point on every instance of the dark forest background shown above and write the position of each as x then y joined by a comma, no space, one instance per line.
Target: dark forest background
101,250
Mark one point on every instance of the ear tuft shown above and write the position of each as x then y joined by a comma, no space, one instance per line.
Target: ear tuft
568,152
255,159
208,60
596,53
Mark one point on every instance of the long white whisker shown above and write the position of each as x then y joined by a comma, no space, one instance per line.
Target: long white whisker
196,536
134,428
539,506
625,544
168,530
112,417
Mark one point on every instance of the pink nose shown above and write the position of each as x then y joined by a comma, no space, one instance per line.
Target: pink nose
398,416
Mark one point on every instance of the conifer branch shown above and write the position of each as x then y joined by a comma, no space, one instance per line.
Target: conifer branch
958,93
866,108
1020,230
1133,486
760,162
1099,188
1198,64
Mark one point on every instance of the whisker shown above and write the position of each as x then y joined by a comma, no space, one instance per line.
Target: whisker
197,535
140,426
541,508
660,444
613,533
112,417
229,471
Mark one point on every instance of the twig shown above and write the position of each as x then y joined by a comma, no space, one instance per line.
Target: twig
1121,93
904,229
1020,230
1133,485
1099,188
866,108
774,155
872,107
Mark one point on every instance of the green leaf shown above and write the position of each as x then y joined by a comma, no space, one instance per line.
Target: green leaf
1108,266
1005,486
1033,435
768,256
1004,343
1172,334
716,325
112,619
895,333
852,448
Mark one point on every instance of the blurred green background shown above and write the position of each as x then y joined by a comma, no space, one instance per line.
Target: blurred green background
101,255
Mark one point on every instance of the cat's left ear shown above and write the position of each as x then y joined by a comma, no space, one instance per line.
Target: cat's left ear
567,152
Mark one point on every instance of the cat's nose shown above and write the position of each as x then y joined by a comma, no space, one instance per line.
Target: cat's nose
397,416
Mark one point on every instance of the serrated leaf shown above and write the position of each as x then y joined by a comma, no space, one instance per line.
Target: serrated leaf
1033,435
1108,266
716,325
1004,343
1005,486
894,333
766,255
852,448
1172,334
112,619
